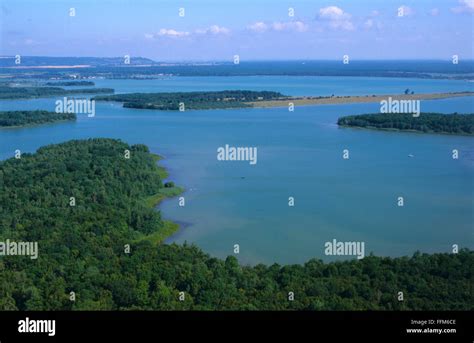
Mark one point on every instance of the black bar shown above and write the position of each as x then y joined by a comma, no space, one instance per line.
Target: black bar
132,325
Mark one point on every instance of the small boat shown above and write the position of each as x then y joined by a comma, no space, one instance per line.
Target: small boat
411,155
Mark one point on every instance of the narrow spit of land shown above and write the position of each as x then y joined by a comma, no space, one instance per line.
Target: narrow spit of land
244,98
328,100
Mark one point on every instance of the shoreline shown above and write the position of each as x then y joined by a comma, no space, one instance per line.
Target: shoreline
33,125
373,128
169,227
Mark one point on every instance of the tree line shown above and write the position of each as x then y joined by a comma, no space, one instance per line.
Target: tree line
426,122
22,118
191,100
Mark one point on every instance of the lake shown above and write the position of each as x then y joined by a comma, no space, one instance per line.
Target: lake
299,156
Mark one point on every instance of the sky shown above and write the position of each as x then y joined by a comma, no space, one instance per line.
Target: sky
216,30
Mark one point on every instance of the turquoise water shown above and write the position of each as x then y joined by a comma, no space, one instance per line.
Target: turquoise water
299,155
290,85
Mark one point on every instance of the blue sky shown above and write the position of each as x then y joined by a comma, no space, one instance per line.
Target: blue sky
256,29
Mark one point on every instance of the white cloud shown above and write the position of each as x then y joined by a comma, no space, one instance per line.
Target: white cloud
336,17
213,30
172,33
434,11
465,6
297,26
260,27
369,23
331,12
405,11
468,3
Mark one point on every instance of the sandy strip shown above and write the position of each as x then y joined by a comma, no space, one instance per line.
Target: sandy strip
301,101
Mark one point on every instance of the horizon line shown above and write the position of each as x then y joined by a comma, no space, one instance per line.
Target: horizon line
246,60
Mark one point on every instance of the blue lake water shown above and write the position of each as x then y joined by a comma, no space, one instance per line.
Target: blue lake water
290,85
299,155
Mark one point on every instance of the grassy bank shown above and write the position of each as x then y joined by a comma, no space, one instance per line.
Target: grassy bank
162,194
169,228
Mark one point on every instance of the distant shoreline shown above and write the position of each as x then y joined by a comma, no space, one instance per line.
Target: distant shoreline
50,67
65,68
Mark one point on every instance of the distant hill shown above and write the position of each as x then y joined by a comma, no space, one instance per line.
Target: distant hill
29,61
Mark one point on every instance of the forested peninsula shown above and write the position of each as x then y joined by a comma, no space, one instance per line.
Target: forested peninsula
462,124
25,118
191,100
105,246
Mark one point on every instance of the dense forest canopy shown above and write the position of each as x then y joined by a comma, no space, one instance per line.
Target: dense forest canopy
426,122
81,249
7,92
191,100
22,118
